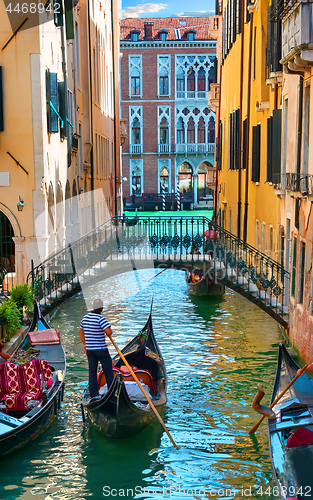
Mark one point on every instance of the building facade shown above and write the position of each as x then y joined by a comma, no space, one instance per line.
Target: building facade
167,67
294,185
59,122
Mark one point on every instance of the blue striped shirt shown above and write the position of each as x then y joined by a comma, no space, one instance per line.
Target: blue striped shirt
94,326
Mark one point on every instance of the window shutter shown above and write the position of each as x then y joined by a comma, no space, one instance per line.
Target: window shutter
237,137
48,100
220,146
215,70
269,36
63,107
256,136
228,30
231,141
234,20
1,101
276,143
239,3
244,143
58,12
69,19
247,12
54,98
269,170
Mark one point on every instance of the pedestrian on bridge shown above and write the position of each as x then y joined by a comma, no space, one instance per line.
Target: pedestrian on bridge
92,331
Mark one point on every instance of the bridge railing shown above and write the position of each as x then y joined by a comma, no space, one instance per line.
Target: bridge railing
180,240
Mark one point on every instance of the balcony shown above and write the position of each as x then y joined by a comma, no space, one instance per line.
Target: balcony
297,33
195,148
135,149
164,148
214,96
297,183
191,94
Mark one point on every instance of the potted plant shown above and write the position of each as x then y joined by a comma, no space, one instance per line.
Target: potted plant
22,295
11,316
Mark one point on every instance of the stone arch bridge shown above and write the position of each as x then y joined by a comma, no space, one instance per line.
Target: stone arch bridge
192,243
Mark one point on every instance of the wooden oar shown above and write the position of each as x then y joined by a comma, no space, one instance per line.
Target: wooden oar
254,428
143,392
158,274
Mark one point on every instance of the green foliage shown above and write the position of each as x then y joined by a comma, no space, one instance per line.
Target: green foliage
22,295
11,315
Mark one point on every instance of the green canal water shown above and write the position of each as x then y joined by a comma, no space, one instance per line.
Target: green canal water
215,351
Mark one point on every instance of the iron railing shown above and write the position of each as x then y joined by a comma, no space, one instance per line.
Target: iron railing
190,243
295,182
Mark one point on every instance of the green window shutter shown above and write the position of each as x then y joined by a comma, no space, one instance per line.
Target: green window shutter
294,267
69,19
256,137
48,98
244,143
239,14
269,170
58,12
1,101
63,107
231,153
276,143
237,139
220,146
234,19
54,100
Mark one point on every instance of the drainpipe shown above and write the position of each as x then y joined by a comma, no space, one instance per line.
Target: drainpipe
217,153
115,123
92,184
240,117
300,114
245,222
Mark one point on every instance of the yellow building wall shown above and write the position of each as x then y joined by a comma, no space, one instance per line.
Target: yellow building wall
263,203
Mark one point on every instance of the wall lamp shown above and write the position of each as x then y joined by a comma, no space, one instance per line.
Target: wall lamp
20,204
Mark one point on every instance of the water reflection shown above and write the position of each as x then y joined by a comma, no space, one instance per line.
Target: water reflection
215,353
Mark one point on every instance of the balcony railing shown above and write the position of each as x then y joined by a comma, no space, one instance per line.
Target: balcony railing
195,148
296,26
191,94
295,182
135,149
164,148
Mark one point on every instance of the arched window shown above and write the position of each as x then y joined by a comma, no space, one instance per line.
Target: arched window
185,178
7,247
180,82
164,133
191,80
201,131
191,131
180,131
136,136
211,131
163,82
136,180
201,80
164,180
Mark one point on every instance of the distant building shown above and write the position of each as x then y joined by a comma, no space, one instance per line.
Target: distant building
167,67
58,138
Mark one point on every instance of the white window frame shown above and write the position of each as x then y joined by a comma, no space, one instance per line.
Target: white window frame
167,164
132,164
180,64
137,113
165,112
131,67
168,67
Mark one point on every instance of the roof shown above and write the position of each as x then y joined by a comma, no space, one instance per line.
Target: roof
174,25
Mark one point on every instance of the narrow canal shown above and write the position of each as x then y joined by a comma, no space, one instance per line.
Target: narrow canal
215,351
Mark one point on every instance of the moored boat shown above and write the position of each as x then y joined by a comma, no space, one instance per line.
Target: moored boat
32,386
122,411
291,431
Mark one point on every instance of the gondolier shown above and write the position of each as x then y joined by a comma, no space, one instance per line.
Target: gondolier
92,331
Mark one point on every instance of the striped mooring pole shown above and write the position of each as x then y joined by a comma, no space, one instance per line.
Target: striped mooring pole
178,196
163,197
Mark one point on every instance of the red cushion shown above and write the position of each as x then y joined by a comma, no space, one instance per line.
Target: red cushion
301,437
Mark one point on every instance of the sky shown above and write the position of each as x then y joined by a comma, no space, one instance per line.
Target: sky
170,8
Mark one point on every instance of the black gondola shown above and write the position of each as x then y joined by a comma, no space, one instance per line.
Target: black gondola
116,414
19,427
203,285
130,221
291,432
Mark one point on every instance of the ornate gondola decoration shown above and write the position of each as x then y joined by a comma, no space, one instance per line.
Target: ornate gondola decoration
118,413
290,429
41,369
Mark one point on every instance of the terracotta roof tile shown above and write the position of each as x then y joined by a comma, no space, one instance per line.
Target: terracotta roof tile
200,24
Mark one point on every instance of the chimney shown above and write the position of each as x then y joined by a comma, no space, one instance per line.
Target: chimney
148,31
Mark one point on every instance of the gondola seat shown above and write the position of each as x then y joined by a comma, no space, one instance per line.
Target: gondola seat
20,384
301,437
144,376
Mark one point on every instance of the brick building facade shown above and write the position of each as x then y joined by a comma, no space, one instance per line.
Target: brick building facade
167,67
